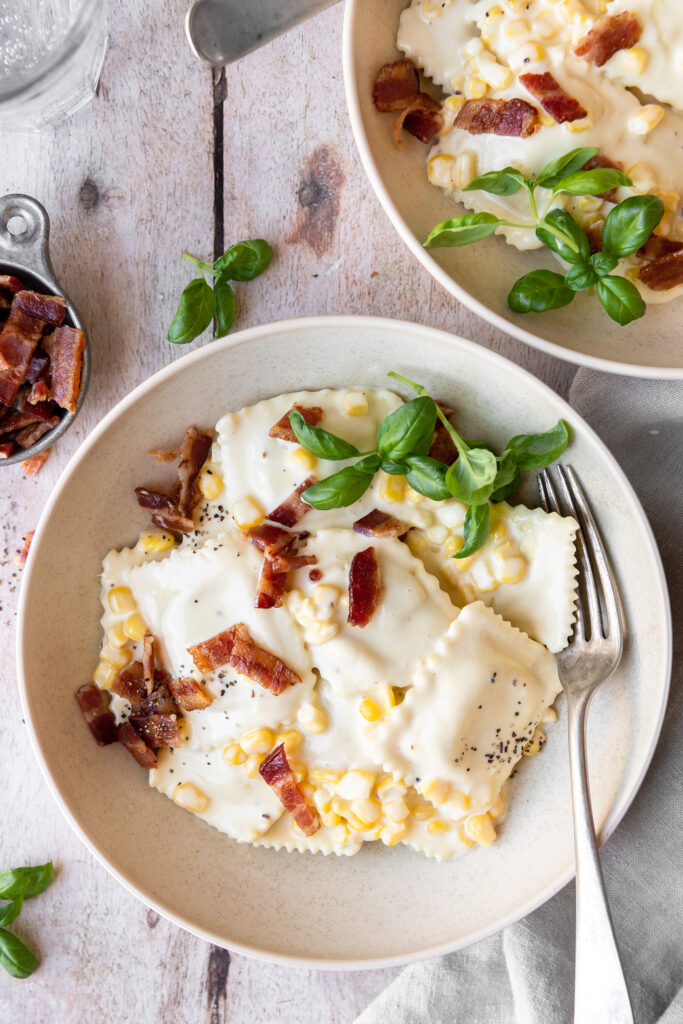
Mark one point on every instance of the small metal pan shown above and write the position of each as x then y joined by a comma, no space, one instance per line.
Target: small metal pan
25,253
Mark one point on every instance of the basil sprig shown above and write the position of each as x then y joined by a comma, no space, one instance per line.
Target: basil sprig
200,302
627,227
476,477
16,885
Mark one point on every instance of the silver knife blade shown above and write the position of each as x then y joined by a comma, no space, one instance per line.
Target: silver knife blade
222,31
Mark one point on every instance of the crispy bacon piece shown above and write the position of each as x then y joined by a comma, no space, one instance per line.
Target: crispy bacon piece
498,117
610,34
292,508
10,284
65,348
23,554
380,524
91,701
283,428
33,466
604,161
44,307
655,246
193,454
270,539
18,338
38,366
16,419
164,511
148,661
157,730
235,647
189,695
6,449
131,685
365,587
39,393
271,586
664,272
552,97
164,454
396,86
423,119
135,745
275,770
160,700
30,435
287,563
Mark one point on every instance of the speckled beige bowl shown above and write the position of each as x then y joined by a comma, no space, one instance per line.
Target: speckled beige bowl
481,275
382,906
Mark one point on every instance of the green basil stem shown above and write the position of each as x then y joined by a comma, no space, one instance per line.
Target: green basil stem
532,201
455,437
208,267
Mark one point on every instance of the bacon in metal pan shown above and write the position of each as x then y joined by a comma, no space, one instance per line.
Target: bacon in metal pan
135,745
30,435
10,284
65,348
292,508
396,86
282,430
189,695
552,97
51,308
38,366
380,524
610,34
19,337
92,702
365,587
6,449
277,773
513,117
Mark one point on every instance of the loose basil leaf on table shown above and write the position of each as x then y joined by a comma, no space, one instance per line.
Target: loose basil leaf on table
476,530
559,231
471,227
535,451
245,260
339,490
10,912
499,183
620,298
564,166
471,477
319,442
427,476
591,183
15,957
225,306
408,430
630,224
539,291
195,312
25,882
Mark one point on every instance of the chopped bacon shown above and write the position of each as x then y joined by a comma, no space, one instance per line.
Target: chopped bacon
131,685
292,508
23,554
283,428
164,454
11,284
38,366
165,512
30,435
6,449
600,161
365,587
157,730
552,97
276,771
442,447
189,694
287,563
380,524
271,586
51,308
269,539
65,348
193,453
148,661
91,701
657,245
135,745
39,393
396,86
33,466
159,701
18,338
235,647
16,420
610,34
664,272
498,117
423,119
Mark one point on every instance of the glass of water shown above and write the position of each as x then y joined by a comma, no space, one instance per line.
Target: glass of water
51,54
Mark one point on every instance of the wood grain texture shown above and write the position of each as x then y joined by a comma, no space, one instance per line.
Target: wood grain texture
129,183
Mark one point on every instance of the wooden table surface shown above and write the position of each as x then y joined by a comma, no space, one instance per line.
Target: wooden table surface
170,157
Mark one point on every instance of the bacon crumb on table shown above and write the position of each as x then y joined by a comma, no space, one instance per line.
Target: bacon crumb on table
282,430
552,97
21,558
235,647
365,587
33,466
513,117
610,34
276,771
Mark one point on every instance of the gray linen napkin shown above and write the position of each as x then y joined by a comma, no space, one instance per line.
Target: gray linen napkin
525,974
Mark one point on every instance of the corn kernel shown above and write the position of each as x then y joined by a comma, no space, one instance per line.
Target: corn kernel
465,169
494,12
116,637
369,710
121,600
313,719
252,765
321,800
392,834
340,834
308,791
471,48
353,822
438,827
367,811
247,513
480,828
508,568
437,534
326,596
495,75
386,698
135,627
414,497
234,754
422,812
187,795
156,540
645,119
258,741
324,777
119,657
453,103
299,770
643,177
453,545
433,9
436,791
354,403
210,484
458,803
516,28
303,458
291,739
535,744
355,785
475,88
440,173
396,810
389,788
529,53
392,488
104,675
671,200
633,61
331,819
545,25
589,204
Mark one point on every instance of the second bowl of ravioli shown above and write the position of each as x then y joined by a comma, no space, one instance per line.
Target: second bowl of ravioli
373,907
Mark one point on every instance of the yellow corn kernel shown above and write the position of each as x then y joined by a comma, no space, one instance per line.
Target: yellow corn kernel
258,741
578,126
516,28
389,788
355,784
475,88
440,173
156,540
494,12
386,698
234,754
472,48
341,834
589,204
187,795
453,545
464,838
422,812
643,177
299,770
313,719
485,578
367,811
104,675
535,744
119,657
510,567
414,497
495,75
303,458
480,828
326,596
529,53
392,488
308,791
458,803
135,627
518,5
331,819
210,484
354,403
121,600
392,834
369,710
395,810
465,169
372,834
500,532
437,534
671,200
438,827
436,791
645,119
115,636
338,806
291,739
321,800
252,765
433,9
633,61
545,25
353,822
247,513
324,777
453,104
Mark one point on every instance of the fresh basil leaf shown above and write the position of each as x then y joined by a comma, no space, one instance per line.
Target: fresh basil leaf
320,442
427,476
225,306
565,165
506,490
369,464
339,490
207,267
621,299
478,444
476,530
580,276
573,245
15,957
538,291
591,183
630,224
507,470
500,183
10,912
534,451
603,263
471,227
472,475
194,314
395,468
25,882
245,260
408,430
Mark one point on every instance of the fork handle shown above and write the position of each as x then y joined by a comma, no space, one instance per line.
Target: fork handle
601,995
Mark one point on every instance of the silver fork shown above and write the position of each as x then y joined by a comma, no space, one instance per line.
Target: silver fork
594,651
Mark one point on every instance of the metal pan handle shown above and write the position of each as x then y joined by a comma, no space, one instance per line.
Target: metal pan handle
25,236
